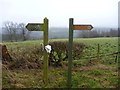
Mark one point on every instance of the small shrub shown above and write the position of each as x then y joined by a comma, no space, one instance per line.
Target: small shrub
59,52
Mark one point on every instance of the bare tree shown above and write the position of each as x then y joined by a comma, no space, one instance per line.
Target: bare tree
23,31
8,28
113,32
14,28
15,31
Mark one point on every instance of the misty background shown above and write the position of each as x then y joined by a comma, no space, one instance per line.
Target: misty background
102,14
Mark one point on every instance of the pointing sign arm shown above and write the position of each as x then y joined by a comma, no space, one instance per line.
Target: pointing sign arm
82,27
35,26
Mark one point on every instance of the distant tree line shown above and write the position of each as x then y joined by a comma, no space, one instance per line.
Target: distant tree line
98,33
14,32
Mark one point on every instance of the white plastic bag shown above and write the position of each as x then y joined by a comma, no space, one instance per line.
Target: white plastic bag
48,48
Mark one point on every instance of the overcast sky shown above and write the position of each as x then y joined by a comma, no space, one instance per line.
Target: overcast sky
99,13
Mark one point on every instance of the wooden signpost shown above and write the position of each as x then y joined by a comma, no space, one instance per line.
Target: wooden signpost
71,28
42,27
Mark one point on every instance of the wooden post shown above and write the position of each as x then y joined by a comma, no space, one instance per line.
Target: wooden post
73,27
45,71
70,45
42,27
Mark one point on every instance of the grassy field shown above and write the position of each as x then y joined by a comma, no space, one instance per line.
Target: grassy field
93,70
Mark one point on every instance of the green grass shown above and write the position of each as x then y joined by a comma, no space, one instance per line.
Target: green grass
87,72
92,78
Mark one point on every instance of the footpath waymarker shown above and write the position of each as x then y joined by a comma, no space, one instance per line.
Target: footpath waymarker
70,46
35,26
42,27
82,27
